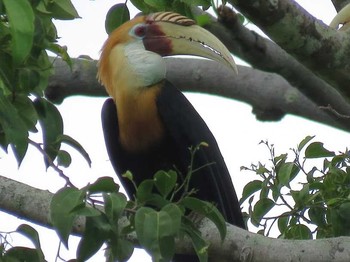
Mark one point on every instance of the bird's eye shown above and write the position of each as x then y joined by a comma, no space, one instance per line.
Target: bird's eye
138,31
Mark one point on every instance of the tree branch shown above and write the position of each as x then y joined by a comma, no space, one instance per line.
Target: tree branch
265,55
339,4
33,204
269,94
323,50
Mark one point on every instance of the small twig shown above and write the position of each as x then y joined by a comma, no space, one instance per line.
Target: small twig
270,228
333,111
203,166
51,163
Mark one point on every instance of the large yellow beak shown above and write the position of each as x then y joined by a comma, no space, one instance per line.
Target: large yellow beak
183,39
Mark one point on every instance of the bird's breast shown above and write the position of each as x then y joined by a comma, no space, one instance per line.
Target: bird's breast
140,127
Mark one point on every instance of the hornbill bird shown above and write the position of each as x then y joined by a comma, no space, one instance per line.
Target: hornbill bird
148,123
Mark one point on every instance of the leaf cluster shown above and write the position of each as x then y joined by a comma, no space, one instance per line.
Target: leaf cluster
309,202
179,6
156,217
22,253
26,33
119,13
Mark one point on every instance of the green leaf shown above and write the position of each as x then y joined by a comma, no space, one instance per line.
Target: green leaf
316,186
115,204
144,190
344,210
208,210
26,111
340,220
204,3
63,158
310,176
278,160
298,231
121,250
250,189
116,16
76,145
301,197
282,223
62,204
340,160
304,142
128,175
45,30
199,244
261,169
20,254
261,208
103,184
317,215
167,248
96,232
165,181
27,80
156,201
33,235
334,202
140,5
41,7
154,232
158,4
62,9
175,215
293,221
7,73
29,232
286,173
276,191
86,211
45,71
62,52
21,18
265,189
316,150
203,20
52,127
15,129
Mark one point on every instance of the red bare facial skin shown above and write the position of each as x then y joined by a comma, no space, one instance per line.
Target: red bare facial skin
156,41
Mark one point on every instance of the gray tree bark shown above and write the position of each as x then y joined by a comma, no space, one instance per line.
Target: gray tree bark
307,78
304,71
270,95
22,200
323,50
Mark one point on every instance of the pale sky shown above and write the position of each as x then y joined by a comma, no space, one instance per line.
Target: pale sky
237,131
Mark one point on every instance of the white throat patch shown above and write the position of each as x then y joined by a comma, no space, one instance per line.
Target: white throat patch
149,67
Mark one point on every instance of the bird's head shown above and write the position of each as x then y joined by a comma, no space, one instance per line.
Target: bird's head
133,52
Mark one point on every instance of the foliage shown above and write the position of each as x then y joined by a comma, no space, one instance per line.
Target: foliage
321,201
157,217
22,253
26,33
179,6
320,195
119,13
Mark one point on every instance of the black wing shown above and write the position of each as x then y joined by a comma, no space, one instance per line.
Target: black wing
115,152
143,165
186,128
